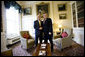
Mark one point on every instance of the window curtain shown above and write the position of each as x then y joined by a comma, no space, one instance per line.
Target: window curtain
13,11
8,4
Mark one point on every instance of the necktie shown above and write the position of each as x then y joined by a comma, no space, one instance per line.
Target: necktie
39,23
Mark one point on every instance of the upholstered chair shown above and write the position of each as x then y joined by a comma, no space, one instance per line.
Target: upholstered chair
62,43
26,43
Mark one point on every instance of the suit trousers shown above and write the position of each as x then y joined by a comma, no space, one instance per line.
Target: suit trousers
38,37
51,41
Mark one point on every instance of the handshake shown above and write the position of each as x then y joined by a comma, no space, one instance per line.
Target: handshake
40,28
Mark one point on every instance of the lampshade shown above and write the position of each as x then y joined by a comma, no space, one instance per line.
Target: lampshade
59,26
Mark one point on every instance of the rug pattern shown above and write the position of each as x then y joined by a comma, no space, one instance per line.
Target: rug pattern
74,50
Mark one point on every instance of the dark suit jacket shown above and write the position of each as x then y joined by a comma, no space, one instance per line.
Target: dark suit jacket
36,27
47,27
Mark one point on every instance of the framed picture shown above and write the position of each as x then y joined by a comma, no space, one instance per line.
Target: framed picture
61,7
27,11
62,16
42,8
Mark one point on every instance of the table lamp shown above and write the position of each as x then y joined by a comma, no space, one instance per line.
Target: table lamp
60,26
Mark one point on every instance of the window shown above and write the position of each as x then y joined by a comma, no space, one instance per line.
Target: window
12,22
27,25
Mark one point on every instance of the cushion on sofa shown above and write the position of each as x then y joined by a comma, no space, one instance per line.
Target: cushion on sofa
64,34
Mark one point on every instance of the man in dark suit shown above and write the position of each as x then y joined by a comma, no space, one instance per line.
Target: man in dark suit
48,30
38,29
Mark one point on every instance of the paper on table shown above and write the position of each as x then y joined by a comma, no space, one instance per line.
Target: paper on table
43,44
42,52
43,47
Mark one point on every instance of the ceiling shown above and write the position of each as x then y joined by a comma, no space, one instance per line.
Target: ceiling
22,3
26,2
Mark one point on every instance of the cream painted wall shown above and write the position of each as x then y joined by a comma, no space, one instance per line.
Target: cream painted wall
33,17
33,6
53,13
65,23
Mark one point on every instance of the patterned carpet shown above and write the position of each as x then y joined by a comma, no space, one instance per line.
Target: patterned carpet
18,51
74,50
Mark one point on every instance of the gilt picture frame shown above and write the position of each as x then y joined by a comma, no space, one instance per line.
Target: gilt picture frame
61,7
27,11
42,8
63,16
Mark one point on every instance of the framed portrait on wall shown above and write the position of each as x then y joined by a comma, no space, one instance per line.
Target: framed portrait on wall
61,7
62,16
27,11
42,8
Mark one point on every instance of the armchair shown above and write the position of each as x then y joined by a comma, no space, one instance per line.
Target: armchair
62,43
26,43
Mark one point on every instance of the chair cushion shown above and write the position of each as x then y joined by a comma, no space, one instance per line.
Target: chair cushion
30,40
68,30
64,34
26,36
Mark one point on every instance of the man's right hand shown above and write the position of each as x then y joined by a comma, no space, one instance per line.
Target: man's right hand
40,28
